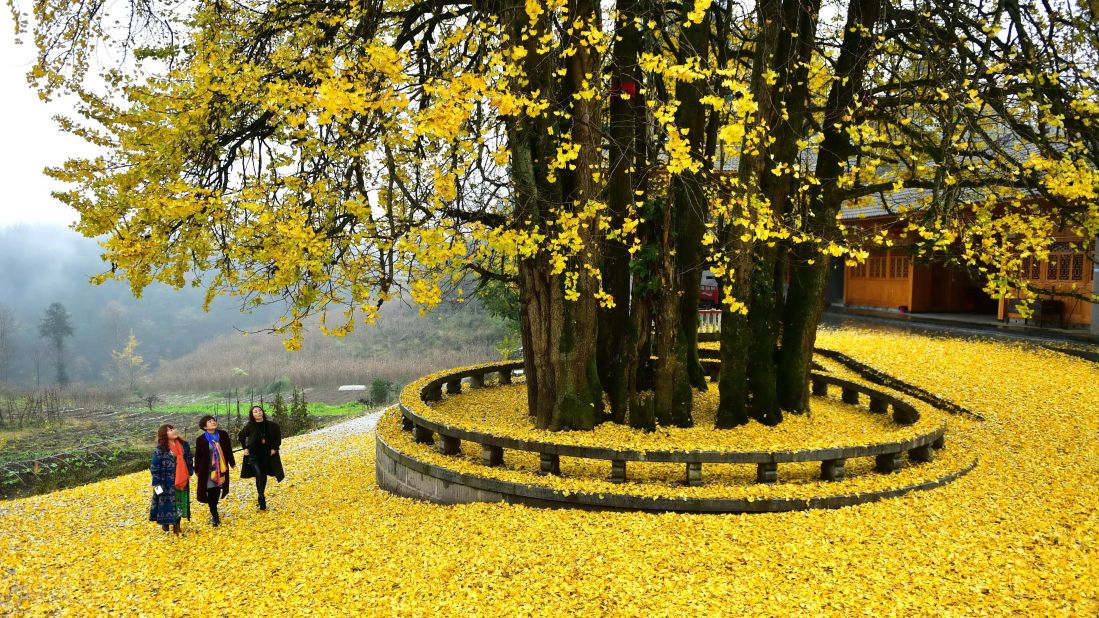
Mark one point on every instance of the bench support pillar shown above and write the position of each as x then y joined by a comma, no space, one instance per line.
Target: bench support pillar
887,463
550,464
492,456
767,472
449,445
618,470
833,469
423,435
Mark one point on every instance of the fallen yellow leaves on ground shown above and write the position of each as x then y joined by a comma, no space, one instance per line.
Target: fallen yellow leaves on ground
502,411
1019,534
665,480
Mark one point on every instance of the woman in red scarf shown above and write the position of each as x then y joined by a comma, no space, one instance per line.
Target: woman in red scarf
213,459
171,470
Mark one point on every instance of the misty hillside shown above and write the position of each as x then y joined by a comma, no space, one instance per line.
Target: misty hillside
184,347
401,347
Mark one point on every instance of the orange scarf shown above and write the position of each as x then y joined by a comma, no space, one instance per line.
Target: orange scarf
181,466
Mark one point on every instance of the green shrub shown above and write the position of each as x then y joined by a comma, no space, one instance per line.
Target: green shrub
380,390
279,412
299,413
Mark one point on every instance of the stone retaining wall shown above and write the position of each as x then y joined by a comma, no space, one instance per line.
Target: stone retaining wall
407,476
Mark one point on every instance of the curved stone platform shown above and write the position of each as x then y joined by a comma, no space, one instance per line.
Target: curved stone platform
414,476
411,477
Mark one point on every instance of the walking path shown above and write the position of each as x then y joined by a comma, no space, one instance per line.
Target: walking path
926,324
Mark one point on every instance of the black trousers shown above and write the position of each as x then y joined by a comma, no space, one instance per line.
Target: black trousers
261,481
213,495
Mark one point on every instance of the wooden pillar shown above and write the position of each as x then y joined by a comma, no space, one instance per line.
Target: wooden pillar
454,387
1094,328
505,376
820,387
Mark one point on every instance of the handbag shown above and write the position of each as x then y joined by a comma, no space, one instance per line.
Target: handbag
246,470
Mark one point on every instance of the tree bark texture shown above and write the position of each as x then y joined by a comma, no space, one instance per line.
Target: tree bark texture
559,335
809,268
617,333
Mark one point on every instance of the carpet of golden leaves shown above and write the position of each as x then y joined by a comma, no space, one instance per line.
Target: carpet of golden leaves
1019,534
503,411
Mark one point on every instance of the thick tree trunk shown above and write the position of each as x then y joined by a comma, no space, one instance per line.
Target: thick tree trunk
732,407
804,304
642,414
562,386
690,209
763,323
671,383
805,300
616,329
677,366
559,335
779,85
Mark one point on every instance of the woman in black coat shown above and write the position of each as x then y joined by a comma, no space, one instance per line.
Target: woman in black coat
213,459
261,439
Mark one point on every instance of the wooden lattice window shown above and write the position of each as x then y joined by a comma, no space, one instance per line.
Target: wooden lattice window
1032,268
878,265
1065,267
898,267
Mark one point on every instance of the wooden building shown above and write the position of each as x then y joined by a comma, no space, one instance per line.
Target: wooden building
890,279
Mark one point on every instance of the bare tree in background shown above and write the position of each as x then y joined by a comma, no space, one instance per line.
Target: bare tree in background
7,341
115,319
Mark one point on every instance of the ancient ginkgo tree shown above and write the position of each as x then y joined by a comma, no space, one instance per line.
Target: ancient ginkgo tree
594,156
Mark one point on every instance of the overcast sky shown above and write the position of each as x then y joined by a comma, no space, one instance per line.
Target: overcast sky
32,140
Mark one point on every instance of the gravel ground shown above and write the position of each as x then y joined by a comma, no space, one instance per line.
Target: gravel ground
359,425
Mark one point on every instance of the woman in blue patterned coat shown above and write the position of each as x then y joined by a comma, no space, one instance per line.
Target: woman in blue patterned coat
172,467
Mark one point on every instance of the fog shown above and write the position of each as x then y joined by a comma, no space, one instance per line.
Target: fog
42,264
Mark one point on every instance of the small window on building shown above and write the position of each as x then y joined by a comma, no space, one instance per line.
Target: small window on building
1065,267
898,267
1078,267
878,266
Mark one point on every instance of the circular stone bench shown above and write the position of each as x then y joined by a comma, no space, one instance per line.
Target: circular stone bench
832,460
408,476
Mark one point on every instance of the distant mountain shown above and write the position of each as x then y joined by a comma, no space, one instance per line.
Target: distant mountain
42,264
